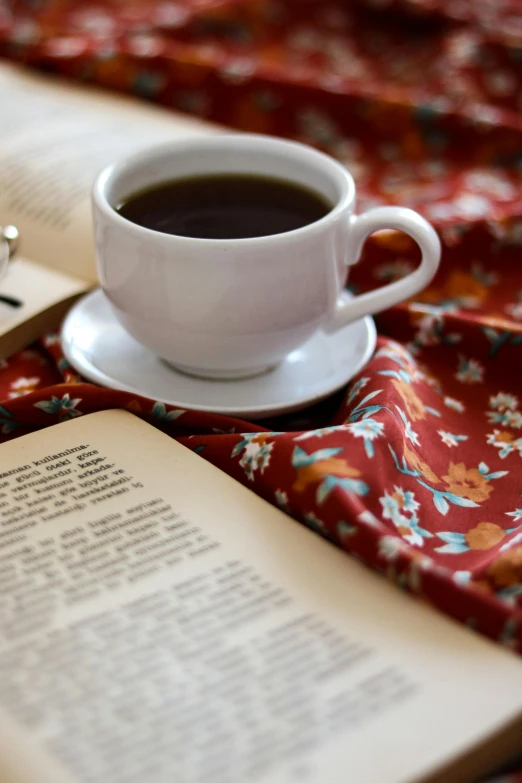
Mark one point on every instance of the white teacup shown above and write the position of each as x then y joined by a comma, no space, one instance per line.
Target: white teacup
233,308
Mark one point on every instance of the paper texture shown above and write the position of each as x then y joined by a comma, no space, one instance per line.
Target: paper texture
54,140
43,294
161,622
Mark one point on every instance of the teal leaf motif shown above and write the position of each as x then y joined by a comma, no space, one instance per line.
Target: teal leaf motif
368,397
458,501
300,458
432,411
509,631
491,334
239,447
401,375
452,538
441,504
7,422
370,410
452,549
404,469
344,529
60,405
159,411
45,405
356,388
497,474
483,468
349,485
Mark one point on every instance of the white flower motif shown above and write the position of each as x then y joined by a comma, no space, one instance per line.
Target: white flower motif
51,339
472,205
447,438
145,46
450,439
503,402
65,46
318,126
23,386
470,371
170,15
410,433
366,428
501,83
462,577
441,210
411,536
406,500
390,547
391,353
495,185
238,71
463,47
455,405
513,419
256,453
390,508
369,519
281,498
96,22
394,505
321,432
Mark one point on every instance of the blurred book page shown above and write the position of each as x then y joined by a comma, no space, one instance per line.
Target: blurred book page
161,622
55,137
33,299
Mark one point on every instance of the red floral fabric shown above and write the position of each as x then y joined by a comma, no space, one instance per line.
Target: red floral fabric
415,467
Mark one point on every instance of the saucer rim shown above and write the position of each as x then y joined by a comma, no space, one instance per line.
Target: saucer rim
86,369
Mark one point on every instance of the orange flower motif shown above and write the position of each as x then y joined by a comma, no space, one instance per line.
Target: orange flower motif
481,584
394,240
501,436
416,463
467,483
316,471
484,536
261,438
412,402
134,406
506,570
463,284
459,285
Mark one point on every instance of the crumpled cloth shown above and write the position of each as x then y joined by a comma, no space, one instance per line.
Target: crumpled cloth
415,467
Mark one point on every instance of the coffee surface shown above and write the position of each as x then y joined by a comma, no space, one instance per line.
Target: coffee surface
224,206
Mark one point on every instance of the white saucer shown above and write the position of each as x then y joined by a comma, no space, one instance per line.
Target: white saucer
101,351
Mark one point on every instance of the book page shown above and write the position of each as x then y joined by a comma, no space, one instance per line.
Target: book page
162,623
55,137
33,299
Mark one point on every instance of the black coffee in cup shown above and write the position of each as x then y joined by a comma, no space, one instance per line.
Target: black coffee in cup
224,206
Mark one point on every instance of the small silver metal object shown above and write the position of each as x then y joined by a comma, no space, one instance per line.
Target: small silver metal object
9,236
8,246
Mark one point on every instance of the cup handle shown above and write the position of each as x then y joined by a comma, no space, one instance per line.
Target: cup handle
361,226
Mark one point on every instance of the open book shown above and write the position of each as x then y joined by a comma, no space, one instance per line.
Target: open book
160,622
55,138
